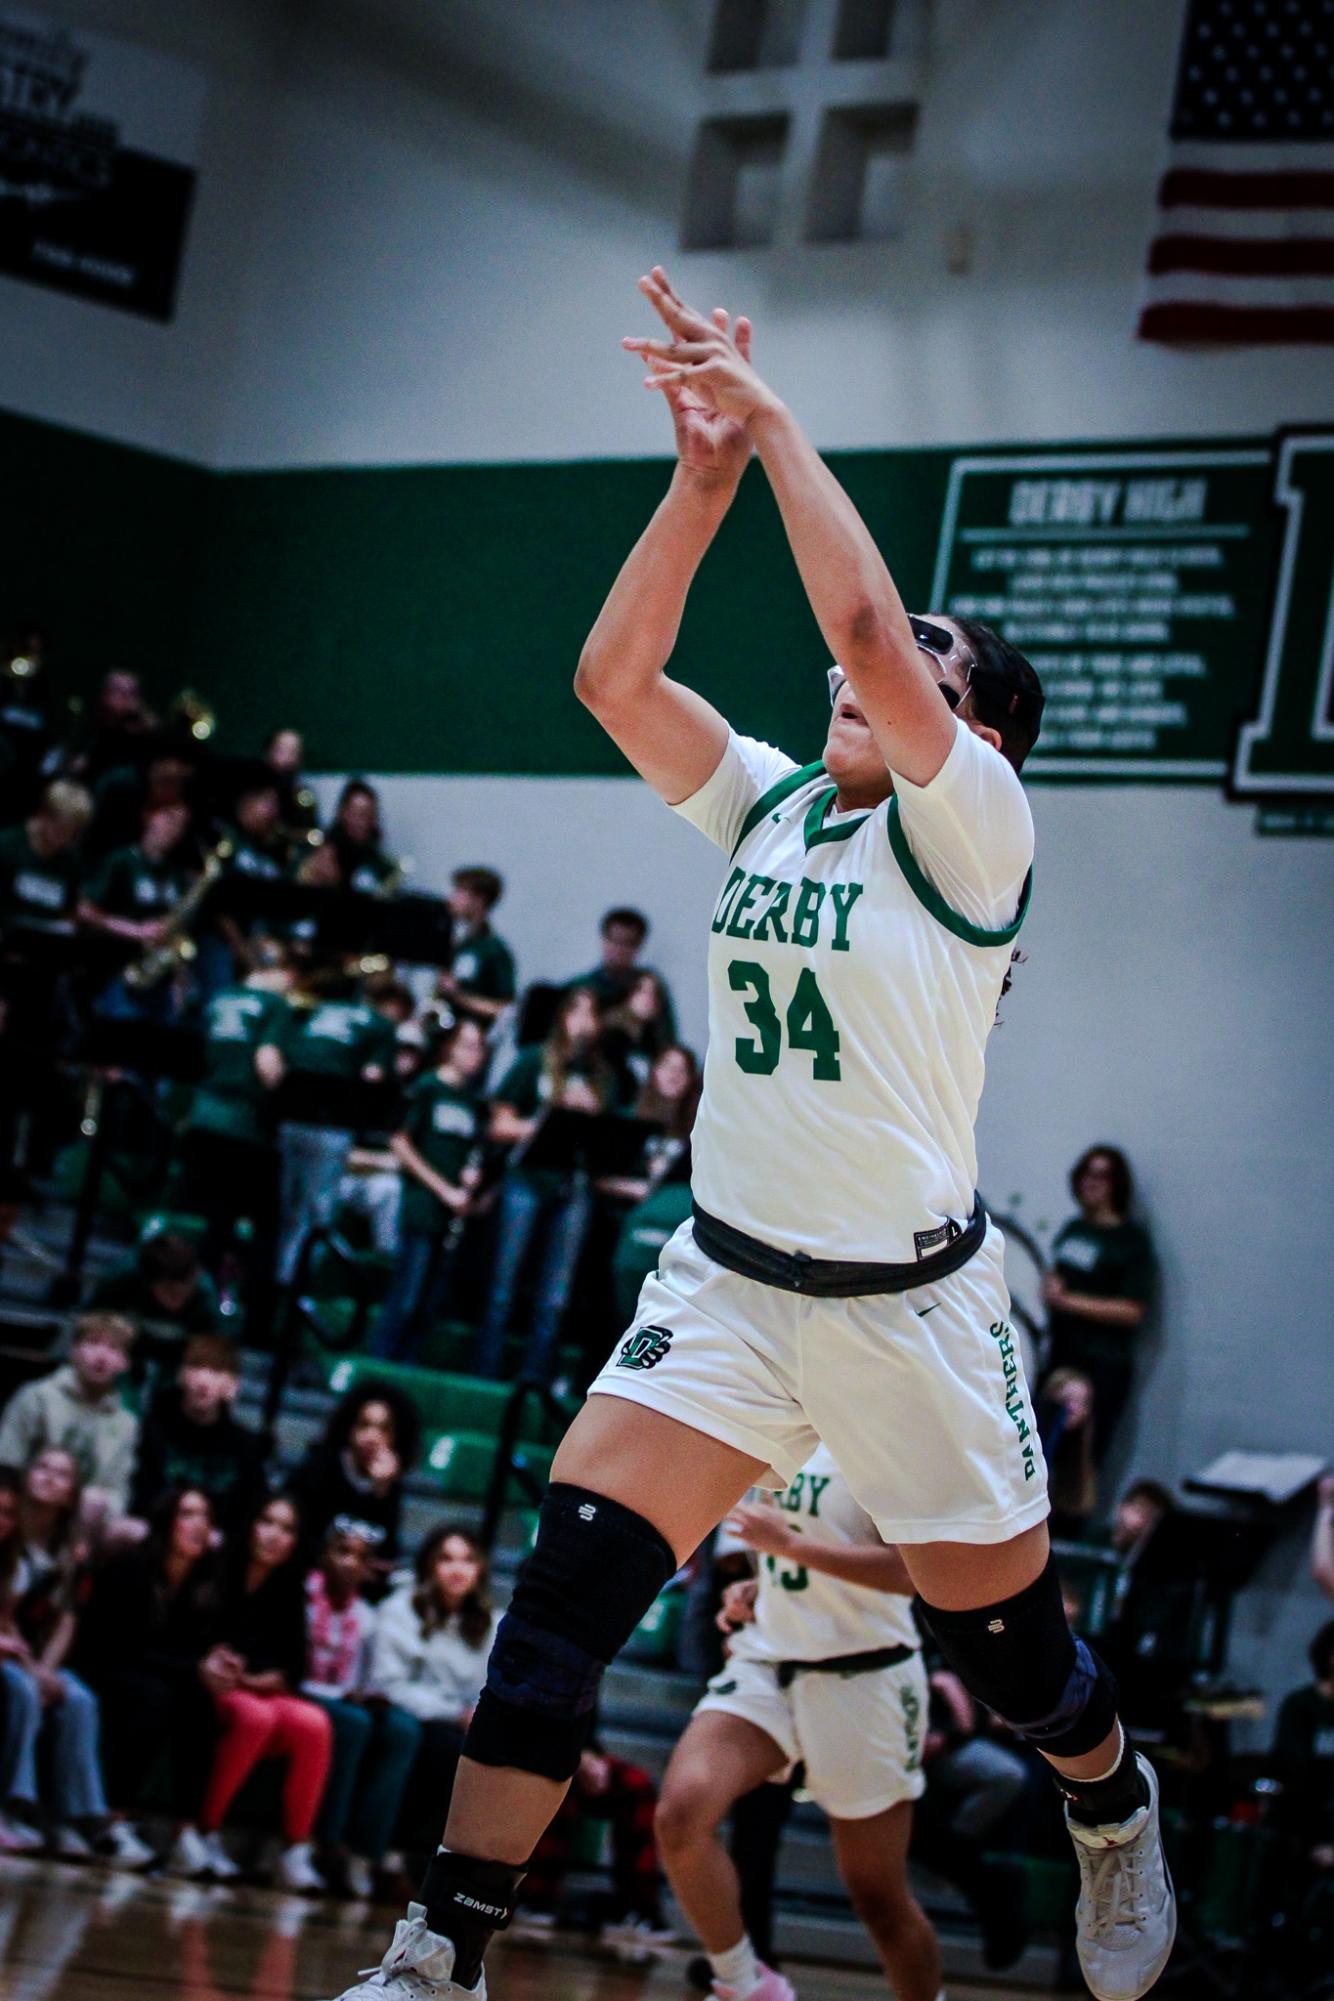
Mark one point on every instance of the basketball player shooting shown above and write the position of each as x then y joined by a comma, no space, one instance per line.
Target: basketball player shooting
840,1279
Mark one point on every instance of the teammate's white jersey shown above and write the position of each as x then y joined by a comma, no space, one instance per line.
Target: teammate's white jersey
855,965
805,1615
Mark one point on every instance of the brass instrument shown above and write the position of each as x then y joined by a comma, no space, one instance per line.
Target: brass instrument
176,947
198,716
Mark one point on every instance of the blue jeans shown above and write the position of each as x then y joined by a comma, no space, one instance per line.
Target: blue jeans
416,1296
71,1725
313,1159
563,1218
373,1754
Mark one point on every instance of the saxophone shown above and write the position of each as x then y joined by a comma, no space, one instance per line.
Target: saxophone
176,947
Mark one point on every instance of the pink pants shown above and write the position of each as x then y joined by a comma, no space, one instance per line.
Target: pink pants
270,1726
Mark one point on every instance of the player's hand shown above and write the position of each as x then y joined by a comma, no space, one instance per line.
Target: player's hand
738,1606
760,1526
705,372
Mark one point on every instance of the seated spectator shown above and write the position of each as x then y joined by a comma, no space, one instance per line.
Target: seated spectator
39,865
332,1034
612,980
230,1144
1322,1540
78,1408
284,755
129,897
374,1744
190,1440
357,1467
639,1028
165,1288
162,779
1148,1626
49,1765
1098,1289
438,1138
356,837
431,1648
481,978
254,1672
1066,1420
611,1790
569,1070
145,1644
972,1781
121,728
1304,1754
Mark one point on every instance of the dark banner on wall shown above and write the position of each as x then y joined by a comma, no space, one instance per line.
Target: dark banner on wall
98,142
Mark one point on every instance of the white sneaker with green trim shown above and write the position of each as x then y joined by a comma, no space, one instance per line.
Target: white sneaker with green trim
417,1967
1126,1917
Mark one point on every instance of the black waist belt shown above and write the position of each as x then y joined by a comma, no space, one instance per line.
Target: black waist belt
833,1278
882,1657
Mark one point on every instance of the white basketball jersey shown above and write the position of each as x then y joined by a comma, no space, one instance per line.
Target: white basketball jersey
855,965
804,1615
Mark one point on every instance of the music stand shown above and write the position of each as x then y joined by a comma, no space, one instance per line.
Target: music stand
598,1144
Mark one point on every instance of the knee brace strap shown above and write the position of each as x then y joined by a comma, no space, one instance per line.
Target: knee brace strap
594,1571
1020,1658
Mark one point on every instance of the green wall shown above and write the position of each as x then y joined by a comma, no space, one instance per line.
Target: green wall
416,619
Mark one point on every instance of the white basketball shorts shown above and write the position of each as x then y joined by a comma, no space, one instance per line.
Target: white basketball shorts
920,1396
858,1735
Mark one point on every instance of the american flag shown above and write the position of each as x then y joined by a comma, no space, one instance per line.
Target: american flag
1244,250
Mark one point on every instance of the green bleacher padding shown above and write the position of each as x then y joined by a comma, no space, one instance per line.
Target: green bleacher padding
178,1222
462,1462
452,1403
654,1640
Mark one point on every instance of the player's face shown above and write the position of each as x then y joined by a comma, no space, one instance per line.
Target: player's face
851,755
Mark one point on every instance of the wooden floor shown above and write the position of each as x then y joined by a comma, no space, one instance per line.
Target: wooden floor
79,1935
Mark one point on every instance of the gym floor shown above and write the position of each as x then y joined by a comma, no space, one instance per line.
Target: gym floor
72,1935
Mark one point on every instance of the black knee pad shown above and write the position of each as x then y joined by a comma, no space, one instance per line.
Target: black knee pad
594,1571
1021,1659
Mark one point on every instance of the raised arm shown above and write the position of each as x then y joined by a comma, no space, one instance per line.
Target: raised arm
672,736
849,587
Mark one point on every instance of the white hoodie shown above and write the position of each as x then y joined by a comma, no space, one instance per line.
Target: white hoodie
435,1678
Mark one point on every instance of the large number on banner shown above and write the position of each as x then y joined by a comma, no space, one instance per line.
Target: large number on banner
1290,745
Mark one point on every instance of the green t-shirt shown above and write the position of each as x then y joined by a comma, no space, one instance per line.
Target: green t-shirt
127,884
339,1039
370,872
484,965
526,1085
444,1123
1107,1261
231,1100
251,858
34,888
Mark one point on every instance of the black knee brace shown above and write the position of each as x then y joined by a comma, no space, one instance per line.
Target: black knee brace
594,1571
1021,1659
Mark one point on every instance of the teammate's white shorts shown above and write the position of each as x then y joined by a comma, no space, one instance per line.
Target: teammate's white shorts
859,1735
920,1396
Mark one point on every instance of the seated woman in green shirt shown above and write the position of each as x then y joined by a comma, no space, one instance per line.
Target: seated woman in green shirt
443,1126
1098,1289
570,1070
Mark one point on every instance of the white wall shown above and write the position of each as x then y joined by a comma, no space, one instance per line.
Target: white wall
419,228
1176,1001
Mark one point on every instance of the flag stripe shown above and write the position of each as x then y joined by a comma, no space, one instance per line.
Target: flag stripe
1238,326
1292,257
1278,190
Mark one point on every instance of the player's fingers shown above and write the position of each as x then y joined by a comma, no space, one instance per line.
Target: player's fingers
721,318
666,350
743,337
680,317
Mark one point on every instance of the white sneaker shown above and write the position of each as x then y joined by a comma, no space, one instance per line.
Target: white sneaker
217,1861
18,1838
297,1873
121,1847
189,1855
1126,1918
359,1877
417,1967
637,1932
68,1845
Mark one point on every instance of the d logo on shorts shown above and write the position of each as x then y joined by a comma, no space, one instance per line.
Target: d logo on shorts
645,1348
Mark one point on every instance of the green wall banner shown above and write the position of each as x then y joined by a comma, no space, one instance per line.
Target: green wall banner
1138,585
1177,597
